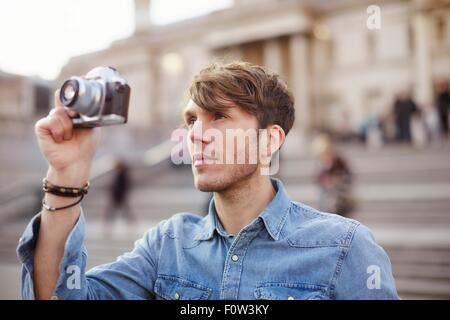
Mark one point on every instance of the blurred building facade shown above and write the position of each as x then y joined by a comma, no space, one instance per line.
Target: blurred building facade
339,70
21,100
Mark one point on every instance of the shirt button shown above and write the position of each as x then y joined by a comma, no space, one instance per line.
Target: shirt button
177,296
234,258
290,298
54,298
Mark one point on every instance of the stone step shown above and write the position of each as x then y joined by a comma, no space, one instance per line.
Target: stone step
163,202
421,271
423,288
375,177
419,256
307,193
144,213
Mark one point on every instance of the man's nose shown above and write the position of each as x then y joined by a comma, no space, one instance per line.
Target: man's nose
196,135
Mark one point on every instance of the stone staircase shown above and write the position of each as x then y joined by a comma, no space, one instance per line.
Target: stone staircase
403,193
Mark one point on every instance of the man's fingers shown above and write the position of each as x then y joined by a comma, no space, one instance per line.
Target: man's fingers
50,126
57,130
62,116
58,124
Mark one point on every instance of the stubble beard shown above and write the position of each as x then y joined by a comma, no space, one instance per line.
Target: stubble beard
226,180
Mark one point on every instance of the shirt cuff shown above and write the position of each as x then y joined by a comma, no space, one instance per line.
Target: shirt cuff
75,254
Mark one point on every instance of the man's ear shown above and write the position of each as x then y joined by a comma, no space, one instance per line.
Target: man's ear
273,140
276,138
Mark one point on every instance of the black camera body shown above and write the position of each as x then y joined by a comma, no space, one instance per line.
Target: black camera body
100,98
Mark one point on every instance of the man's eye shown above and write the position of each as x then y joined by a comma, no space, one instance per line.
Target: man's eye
191,121
218,116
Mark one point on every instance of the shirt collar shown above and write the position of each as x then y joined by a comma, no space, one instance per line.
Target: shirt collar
273,216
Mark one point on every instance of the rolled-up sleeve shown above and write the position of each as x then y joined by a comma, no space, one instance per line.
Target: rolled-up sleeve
131,276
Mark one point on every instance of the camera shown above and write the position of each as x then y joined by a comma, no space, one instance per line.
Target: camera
100,98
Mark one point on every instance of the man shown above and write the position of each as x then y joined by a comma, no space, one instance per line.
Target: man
255,243
118,191
404,109
443,106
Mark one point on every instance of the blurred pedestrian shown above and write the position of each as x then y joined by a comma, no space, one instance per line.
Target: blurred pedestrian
433,126
370,132
404,109
119,191
334,179
443,106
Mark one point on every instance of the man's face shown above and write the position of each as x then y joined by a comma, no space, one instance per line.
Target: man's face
222,146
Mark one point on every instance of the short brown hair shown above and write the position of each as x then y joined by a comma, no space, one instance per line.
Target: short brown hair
248,86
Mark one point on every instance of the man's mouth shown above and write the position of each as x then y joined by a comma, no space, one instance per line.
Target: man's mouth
200,159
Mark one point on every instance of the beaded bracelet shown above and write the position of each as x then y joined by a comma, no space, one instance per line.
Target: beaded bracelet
64,191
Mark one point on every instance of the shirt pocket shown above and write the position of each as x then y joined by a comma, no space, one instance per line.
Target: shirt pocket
289,291
176,288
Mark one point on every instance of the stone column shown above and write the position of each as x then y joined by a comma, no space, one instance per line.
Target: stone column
142,15
138,67
300,80
234,53
142,112
423,89
272,56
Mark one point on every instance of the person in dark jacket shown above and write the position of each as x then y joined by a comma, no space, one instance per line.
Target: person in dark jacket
119,191
404,109
443,106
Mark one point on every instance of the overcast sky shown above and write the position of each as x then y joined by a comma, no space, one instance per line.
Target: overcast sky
37,37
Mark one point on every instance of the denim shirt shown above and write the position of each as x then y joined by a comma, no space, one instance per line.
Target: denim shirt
290,251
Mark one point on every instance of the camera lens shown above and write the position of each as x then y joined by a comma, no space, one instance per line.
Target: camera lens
84,96
69,92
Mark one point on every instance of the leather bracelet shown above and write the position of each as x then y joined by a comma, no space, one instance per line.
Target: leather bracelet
50,208
64,191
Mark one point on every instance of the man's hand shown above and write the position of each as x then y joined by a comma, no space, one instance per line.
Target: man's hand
68,151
